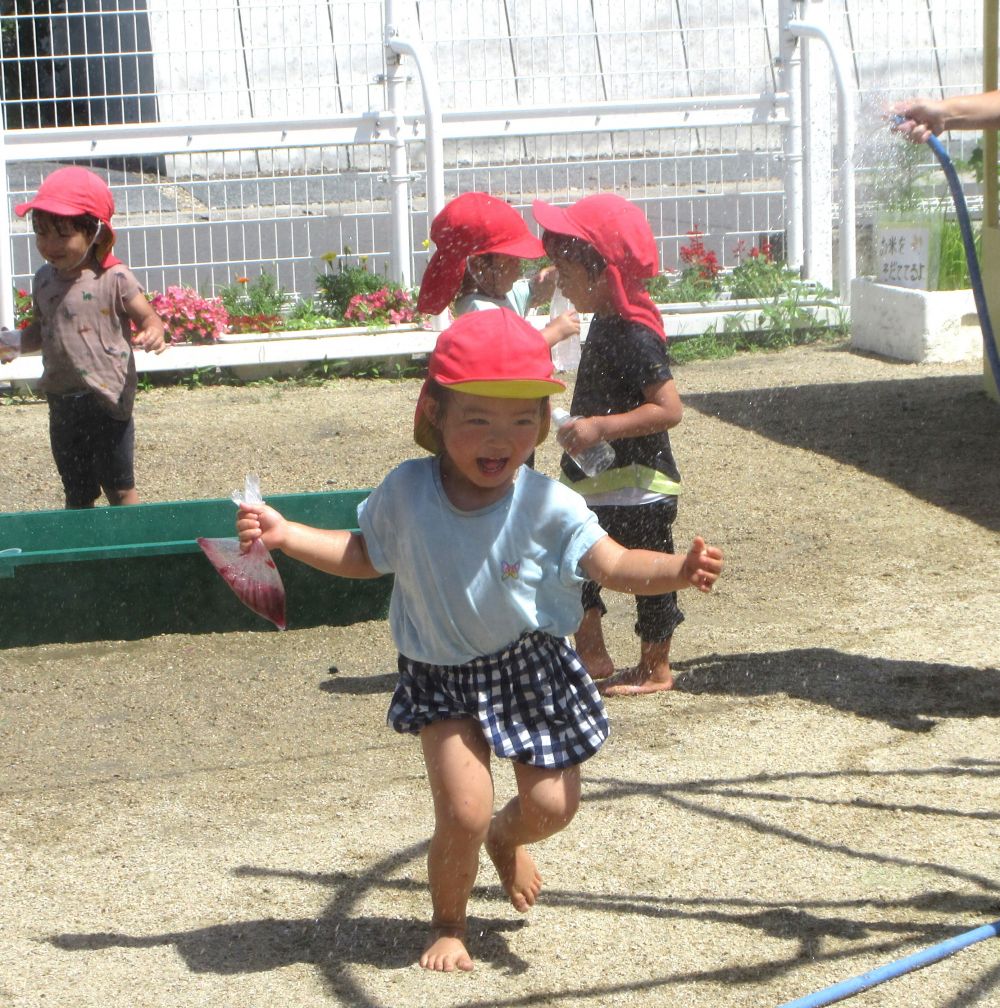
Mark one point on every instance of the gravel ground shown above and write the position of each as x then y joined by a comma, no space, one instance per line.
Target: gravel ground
226,820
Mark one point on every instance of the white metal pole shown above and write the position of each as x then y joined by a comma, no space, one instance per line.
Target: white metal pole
790,66
433,128
846,111
817,191
6,262
399,171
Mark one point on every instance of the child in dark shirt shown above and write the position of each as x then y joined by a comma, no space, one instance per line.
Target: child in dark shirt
625,394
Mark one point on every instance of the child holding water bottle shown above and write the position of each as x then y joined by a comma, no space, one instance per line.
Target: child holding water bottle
479,244
625,394
489,557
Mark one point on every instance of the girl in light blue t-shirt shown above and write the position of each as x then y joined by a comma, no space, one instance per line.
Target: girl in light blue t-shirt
489,557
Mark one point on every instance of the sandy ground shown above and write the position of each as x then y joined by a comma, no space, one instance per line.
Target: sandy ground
225,819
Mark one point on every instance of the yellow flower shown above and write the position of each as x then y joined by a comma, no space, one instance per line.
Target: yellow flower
328,256
427,243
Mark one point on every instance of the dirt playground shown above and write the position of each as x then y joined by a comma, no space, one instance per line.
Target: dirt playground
225,820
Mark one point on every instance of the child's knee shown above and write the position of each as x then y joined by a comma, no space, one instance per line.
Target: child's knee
553,807
469,818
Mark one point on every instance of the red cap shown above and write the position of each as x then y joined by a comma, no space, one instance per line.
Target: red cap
493,352
471,224
71,191
619,231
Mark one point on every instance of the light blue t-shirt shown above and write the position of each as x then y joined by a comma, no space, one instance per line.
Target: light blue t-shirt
517,299
468,583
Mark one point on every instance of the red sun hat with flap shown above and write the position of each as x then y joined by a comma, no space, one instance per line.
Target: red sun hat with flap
71,191
488,353
471,224
619,231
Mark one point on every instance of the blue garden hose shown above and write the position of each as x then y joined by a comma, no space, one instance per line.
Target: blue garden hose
962,212
848,988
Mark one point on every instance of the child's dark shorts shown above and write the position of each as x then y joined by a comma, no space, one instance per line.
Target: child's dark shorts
534,701
92,450
644,526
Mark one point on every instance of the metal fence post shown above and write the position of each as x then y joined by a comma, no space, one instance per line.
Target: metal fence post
399,169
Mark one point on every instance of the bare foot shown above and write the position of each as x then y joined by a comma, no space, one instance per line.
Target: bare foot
636,682
518,874
651,675
598,666
446,952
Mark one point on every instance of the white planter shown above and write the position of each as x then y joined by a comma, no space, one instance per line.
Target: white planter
258,355
914,325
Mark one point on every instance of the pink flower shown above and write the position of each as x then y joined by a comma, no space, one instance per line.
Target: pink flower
188,316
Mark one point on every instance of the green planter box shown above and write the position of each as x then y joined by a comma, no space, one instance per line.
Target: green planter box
129,572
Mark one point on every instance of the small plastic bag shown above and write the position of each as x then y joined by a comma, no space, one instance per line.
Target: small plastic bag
252,575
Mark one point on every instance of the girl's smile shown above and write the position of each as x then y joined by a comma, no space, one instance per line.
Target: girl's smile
486,440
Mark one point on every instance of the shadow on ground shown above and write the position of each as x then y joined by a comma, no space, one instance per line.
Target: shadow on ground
337,940
938,438
909,695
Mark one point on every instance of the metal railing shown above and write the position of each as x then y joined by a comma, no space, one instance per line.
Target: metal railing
239,138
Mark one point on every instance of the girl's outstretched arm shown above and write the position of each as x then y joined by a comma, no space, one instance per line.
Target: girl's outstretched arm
645,572
335,551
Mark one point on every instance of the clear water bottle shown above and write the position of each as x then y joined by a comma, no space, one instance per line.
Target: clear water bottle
566,353
591,460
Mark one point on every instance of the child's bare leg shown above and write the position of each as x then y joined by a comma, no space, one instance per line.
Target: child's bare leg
651,675
116,497
590,646
546,802
458,768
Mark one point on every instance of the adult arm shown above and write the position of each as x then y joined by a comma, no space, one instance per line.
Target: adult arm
923,117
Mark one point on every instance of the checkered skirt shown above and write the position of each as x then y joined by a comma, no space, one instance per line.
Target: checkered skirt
534,701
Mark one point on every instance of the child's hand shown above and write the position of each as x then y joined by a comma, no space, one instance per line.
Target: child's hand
10,345
580,433
565,325
258,521
702,565
150,339
561,327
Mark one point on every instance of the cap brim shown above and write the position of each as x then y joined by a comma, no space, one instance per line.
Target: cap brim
510,388
555,219
443,276
525,247
48,204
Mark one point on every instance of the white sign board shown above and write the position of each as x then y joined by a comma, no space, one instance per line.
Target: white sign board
904,255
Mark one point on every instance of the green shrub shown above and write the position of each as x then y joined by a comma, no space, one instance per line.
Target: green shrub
336,288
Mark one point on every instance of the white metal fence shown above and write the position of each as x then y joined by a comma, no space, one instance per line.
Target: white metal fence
249,135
